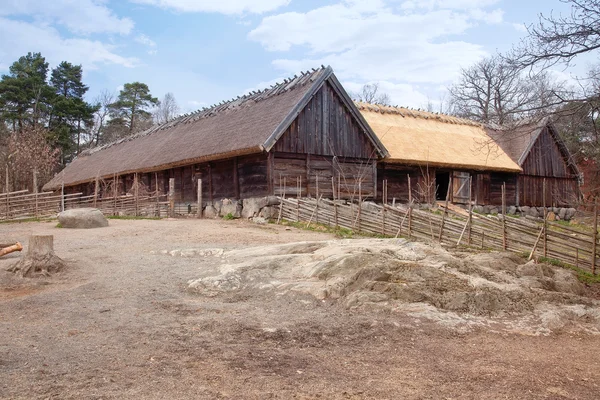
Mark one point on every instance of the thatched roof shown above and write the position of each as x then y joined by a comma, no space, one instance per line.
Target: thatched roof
423,138
246,125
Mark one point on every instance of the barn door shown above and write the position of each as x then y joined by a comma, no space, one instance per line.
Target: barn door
460,187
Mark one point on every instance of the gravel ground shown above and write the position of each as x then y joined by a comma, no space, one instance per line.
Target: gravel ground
119,323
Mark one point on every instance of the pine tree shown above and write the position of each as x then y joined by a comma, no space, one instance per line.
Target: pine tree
71,114
24,93
131,107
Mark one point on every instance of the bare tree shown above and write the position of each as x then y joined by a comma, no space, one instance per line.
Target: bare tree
370,94
166,110
493,91
559,39
101,117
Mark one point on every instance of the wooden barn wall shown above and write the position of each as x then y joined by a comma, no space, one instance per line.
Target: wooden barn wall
235,178
397,182
326,127
560,192
315,173
545,160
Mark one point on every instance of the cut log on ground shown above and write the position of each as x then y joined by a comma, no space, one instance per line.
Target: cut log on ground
39,259
7,249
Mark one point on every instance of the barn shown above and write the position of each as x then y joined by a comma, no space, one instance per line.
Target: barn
298,134
439,154
539,150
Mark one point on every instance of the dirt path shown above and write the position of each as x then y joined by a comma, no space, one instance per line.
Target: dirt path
120,324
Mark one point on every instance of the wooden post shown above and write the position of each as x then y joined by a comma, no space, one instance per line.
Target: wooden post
335,206
359,203
35,190
339,186
595,238
409,207
172,197
470,210
298,190
157,194
96,192
576,257
482,237
317,196
383,210
504,243
136,194
199,213
445,210
115,192
62,195
545,220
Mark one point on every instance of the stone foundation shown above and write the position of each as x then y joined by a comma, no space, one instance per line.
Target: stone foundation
554,213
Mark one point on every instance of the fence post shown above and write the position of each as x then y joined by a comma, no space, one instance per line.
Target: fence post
504,243
298,190
594,244
359,203
115,192
35,190
445,210
317,196
335,210
470,210
172,197
409,208
383,210
546,220
96,192
199,212
136,194
62,195
157,194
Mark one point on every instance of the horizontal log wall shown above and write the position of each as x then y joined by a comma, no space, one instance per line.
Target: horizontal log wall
311,176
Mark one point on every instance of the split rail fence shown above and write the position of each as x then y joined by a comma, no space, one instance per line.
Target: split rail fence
520,235
21,205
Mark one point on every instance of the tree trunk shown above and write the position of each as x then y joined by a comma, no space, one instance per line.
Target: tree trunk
40,258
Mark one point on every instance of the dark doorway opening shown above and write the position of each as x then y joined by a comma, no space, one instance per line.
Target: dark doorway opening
442,181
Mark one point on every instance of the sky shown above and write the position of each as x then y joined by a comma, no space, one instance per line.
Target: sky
205,51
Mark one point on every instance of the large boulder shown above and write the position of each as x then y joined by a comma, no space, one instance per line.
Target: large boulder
82,218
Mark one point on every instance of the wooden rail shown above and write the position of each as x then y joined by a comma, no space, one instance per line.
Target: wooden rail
21,205
519,235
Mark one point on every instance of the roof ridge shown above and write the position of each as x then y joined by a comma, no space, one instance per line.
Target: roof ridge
223,106
410,112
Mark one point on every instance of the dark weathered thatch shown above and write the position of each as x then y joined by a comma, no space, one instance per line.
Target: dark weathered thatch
246,125
519,140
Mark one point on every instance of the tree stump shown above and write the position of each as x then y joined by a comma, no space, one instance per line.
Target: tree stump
40,258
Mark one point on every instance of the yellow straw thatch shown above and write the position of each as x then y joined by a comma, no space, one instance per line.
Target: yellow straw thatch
423,138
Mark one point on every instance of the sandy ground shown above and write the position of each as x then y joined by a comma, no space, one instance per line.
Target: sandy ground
121,322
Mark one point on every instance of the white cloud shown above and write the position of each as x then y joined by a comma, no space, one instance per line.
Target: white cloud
145,40
19,37
447,4
410,51
520,27
79,16
222,6
401,94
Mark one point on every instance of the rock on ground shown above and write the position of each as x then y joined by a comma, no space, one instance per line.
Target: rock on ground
82,218
396,274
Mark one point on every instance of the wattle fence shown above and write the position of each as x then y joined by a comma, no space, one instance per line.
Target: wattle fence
20,205
552,240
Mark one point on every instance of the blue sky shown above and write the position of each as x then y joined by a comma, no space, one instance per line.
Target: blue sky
204,51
